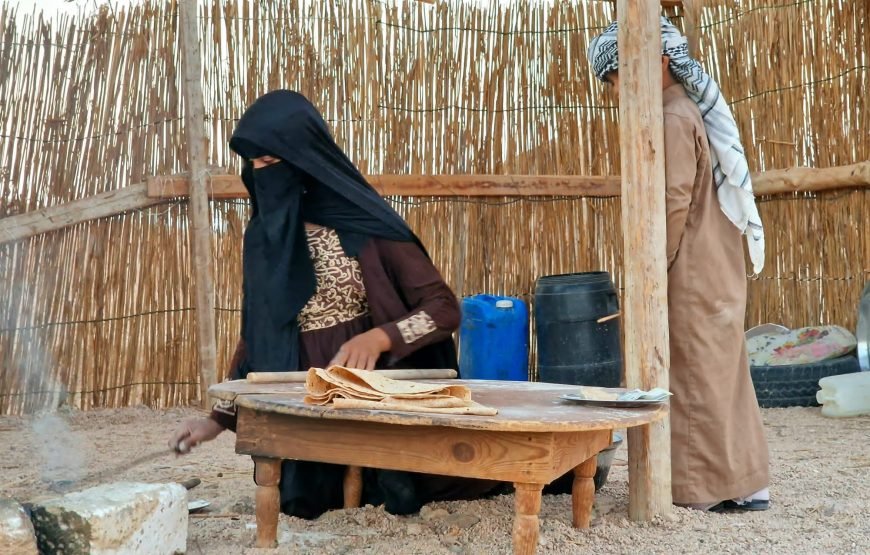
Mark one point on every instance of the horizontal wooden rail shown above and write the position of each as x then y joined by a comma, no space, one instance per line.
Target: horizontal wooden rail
811,180
771,182
103,205
230,186
665,3
159,189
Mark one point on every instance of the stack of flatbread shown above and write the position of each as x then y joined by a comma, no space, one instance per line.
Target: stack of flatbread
347,388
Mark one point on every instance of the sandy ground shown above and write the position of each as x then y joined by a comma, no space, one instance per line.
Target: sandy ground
821,491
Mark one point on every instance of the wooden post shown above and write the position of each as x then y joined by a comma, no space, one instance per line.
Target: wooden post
461,222
200,220
647,354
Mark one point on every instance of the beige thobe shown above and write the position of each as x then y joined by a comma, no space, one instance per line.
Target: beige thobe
719,449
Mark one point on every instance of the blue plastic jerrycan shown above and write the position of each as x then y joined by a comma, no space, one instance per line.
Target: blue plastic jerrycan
494,338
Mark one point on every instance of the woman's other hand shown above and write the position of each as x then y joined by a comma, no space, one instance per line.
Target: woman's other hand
363,351
192,432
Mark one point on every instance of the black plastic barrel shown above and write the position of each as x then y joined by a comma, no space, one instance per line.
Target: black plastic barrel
573,348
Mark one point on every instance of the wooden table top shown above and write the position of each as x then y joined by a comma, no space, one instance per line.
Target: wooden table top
522,407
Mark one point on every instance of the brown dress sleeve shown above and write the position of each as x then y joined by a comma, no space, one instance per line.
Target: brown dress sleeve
680,170
224,413
434,314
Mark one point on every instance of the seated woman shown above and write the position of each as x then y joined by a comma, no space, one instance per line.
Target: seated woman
332,275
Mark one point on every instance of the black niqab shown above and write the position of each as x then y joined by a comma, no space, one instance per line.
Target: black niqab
314,182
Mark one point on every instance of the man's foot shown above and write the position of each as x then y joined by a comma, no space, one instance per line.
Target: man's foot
750,505
758,501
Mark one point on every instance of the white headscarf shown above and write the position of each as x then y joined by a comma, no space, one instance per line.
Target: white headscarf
730,169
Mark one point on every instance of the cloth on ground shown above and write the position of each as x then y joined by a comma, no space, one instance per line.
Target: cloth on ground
800,346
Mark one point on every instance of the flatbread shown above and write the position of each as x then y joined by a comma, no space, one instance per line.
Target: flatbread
441,401
472,409
322,388
335,386
381,384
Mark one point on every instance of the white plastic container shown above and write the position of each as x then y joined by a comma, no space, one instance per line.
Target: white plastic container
845,395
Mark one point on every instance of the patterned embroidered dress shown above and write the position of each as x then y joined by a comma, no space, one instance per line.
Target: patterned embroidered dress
339,308
340,295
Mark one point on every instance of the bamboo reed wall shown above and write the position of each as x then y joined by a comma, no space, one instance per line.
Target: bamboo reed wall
101,314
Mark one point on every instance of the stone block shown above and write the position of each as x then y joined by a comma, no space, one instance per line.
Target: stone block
16,531
111,519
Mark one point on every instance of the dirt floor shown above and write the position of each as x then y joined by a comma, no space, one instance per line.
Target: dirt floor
820,487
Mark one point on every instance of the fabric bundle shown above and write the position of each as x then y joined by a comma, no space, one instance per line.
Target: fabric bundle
348,388
800,346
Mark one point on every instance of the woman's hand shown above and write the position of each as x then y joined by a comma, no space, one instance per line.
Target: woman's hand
193,432
363,351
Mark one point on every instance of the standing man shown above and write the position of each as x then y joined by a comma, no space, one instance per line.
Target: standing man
719,452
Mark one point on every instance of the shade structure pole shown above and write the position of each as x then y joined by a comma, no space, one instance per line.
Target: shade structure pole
645,305
199,230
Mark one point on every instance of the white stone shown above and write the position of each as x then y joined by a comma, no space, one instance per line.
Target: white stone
16,531
128,518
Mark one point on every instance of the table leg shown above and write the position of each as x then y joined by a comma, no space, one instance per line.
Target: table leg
267,474
583,492
526,525
352,487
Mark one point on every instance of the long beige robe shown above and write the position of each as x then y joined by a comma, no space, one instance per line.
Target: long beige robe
719,449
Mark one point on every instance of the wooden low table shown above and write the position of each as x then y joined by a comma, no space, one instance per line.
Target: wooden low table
535,438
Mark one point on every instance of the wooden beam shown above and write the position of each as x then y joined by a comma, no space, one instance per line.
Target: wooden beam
645,304
811,180
230,186
664,3
103,205
158,190
773,182
200,231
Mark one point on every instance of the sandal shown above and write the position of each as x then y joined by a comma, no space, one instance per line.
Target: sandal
751,505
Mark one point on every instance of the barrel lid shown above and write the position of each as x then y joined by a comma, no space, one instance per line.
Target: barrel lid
504,303
592,283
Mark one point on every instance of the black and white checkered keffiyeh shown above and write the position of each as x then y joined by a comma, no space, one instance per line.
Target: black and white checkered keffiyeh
730,169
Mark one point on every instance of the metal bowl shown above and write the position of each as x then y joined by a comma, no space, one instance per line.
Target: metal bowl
564,483
769,329
605,460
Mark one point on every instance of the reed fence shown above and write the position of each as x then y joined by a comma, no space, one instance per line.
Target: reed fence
101,314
